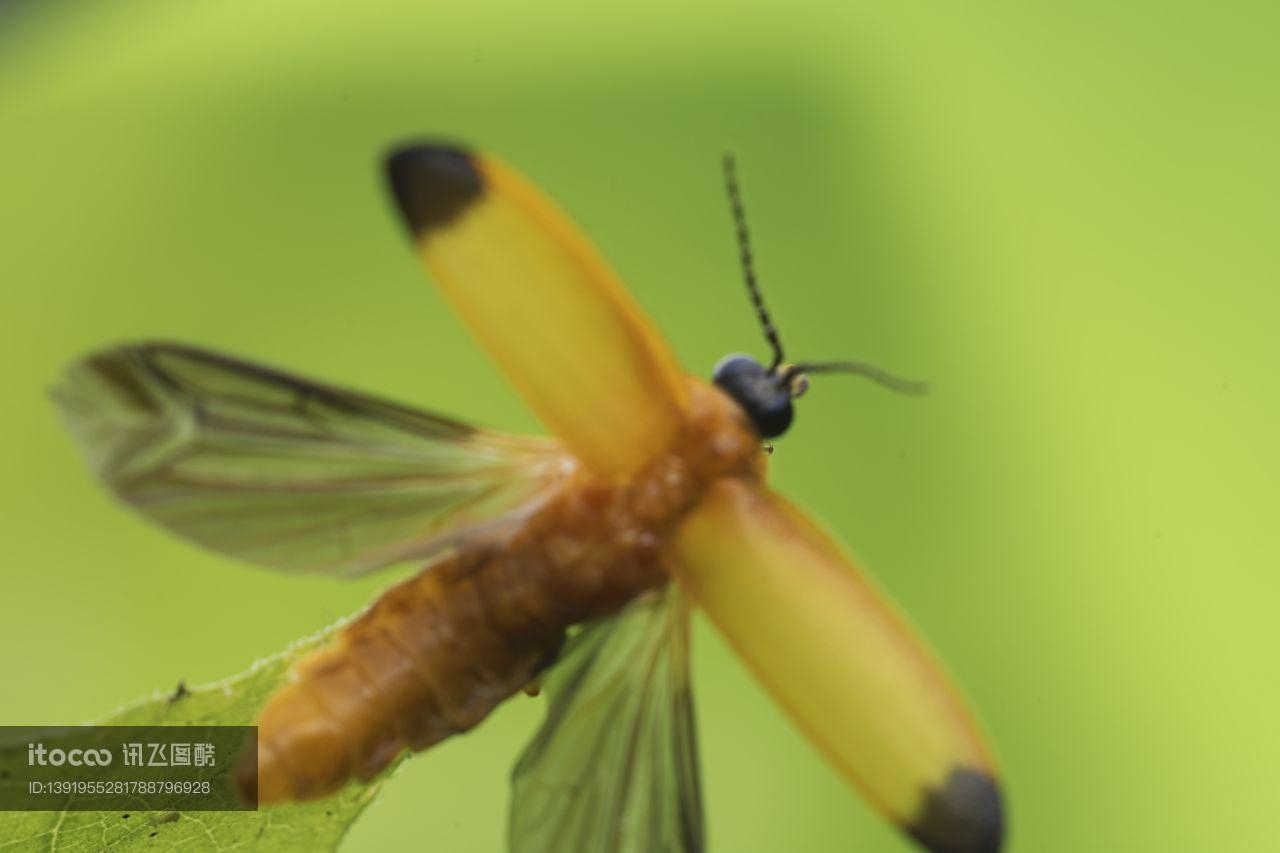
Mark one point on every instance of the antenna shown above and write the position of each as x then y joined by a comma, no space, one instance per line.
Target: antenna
748,267
792,377
878,375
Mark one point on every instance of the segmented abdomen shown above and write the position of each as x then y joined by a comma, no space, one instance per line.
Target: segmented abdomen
429,659
436,653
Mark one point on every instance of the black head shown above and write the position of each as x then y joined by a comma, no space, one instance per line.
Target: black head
765,393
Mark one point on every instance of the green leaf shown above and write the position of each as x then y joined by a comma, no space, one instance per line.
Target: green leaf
308,827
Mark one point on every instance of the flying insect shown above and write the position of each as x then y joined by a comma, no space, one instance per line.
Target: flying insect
573,560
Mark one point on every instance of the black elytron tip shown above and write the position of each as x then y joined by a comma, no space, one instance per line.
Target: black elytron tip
964,815
432,184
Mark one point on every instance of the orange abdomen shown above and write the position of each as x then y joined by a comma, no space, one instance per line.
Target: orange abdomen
437,652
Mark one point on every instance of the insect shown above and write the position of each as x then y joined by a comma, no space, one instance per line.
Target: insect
576,558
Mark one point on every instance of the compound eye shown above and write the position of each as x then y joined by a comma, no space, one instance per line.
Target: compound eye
766,402
771,416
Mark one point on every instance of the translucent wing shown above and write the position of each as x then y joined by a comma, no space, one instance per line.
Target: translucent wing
288,473
545,305
614,767
843,662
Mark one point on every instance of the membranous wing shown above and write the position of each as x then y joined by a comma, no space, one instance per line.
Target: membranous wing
288,473
615,767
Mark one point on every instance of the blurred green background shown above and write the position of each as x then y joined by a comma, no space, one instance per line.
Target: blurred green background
1063,215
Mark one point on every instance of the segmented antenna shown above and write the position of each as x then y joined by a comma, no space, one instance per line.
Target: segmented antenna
748,266
860,368
793,376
